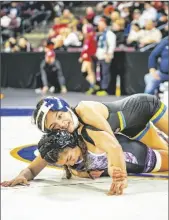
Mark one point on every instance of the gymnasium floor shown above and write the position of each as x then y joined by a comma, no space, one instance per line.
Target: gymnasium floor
51,196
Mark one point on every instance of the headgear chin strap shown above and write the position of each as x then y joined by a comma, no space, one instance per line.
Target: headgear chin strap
50,103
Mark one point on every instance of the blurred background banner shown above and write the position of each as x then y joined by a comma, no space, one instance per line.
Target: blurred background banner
19,70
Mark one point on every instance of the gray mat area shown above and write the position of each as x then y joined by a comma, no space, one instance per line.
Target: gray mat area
27,98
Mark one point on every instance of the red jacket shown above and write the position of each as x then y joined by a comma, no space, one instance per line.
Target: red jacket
89,47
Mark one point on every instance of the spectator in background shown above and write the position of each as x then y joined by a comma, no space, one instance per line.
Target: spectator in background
125,13
118,29
158,72
68,37
11,45
99,14
163,15
52,75
68,18
86,57
90,14
72,39
149,13
137,18
24,45
108,9
15,20
105,53
54,31
150,35
135,35
115,15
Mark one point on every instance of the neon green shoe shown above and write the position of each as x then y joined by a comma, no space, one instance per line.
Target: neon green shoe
101,93
96,87
90,91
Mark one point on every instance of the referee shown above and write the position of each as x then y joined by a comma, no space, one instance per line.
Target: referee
52,75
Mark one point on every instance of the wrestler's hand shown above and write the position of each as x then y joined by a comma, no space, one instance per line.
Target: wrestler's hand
85,55
154,73
119,181
155,76
118,175
96,173
117,188
108,58
19,180
80,60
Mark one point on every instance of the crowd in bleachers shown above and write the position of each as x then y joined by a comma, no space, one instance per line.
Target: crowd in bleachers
135,24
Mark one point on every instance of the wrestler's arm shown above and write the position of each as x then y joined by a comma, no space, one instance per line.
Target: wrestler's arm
90,116
105,142
37,166
28,173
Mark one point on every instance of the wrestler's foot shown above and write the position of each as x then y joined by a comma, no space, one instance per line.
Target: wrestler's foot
38,91
90,91
52,89
93,90
101,93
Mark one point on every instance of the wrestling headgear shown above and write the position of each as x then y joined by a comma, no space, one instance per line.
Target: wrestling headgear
51,144
53,104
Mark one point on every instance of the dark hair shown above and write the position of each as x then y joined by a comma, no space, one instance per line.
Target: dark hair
49,42
137,25
106,19
52,144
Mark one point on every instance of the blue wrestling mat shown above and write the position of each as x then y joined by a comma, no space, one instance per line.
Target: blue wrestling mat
16,111
30,152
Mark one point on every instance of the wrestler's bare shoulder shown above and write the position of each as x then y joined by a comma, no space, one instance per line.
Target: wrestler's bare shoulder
90,106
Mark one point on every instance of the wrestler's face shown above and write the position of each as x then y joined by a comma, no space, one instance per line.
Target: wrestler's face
59,121
69,156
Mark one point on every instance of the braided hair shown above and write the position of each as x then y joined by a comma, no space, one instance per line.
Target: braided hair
53,143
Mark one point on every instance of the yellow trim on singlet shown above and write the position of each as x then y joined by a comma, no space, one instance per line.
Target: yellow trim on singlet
142,133
122,121
156,117
159,113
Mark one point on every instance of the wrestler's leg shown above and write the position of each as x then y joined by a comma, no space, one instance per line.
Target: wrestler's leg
164,160
152,139
84,68
161,161
162,124
160,116
91,76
